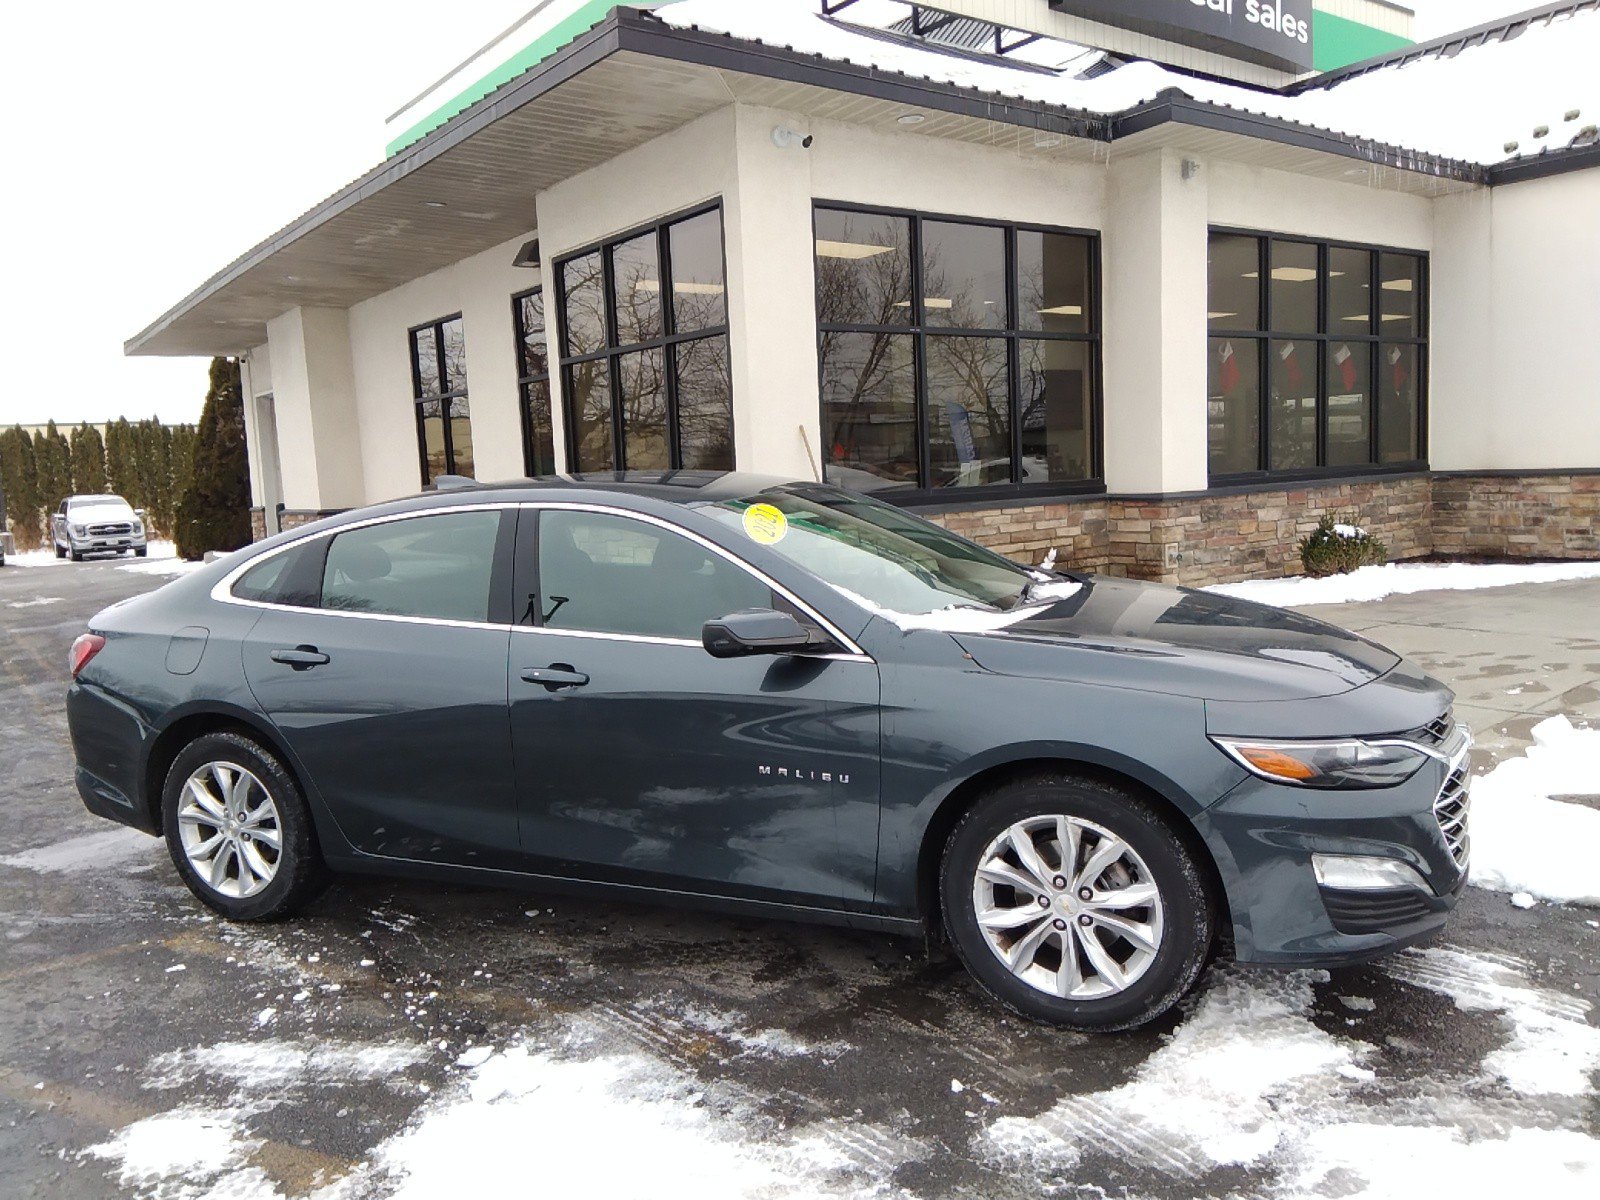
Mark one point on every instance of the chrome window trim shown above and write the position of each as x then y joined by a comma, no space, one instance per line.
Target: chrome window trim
222,590
853,652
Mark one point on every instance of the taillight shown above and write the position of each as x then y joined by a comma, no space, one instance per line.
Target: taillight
84,649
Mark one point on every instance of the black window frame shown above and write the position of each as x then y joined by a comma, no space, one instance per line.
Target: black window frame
446,398
1374,340
920,330
612,352
527,380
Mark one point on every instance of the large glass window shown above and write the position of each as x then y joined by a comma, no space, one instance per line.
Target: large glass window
439,386
1330,380
644,350
607,574
533,383
955,354
436,566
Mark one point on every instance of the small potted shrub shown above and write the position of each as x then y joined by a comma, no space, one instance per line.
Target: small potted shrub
1336,547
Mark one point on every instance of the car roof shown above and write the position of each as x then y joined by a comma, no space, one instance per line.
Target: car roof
670,487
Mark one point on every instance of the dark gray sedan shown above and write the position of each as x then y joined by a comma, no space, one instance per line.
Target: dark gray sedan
788,700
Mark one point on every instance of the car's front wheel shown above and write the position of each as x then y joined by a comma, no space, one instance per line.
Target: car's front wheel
1074,902
238,829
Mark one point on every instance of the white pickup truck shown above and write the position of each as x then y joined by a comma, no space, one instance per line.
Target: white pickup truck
97,525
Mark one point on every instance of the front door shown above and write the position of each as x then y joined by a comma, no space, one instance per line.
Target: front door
393,693
641,759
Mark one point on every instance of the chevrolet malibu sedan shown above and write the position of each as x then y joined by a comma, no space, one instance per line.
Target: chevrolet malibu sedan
786,700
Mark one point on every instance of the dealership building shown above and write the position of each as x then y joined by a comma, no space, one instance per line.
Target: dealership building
1154,285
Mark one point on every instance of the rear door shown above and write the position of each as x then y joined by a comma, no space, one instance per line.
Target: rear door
641,759
389,683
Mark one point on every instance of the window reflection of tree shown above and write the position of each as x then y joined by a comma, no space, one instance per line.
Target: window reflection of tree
871,331
664,395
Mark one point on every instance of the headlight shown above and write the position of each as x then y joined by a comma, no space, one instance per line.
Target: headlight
78,531
1345,763
138,527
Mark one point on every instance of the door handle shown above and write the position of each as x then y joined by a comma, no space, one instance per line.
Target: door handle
555,677
301,658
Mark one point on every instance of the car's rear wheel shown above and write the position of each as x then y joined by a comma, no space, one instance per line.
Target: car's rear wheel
60,552
238,829
1074,902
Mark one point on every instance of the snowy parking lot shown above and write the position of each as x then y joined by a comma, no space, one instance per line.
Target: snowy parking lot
412,1040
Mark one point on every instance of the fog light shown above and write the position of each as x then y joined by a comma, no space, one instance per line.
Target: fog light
1363,874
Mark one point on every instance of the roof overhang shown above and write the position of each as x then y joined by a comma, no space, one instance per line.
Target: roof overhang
631,79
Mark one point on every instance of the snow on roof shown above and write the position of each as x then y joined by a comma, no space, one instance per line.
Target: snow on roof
1467,106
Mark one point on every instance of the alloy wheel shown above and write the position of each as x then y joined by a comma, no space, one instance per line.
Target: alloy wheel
1068,907
230,829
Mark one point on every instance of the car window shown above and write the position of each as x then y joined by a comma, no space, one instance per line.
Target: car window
607,574
293,577
436,566
875,552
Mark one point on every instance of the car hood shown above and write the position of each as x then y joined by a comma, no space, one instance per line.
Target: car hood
1182,642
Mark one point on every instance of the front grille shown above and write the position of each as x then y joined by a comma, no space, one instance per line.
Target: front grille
1374,912
1451,811
1434,732
121,530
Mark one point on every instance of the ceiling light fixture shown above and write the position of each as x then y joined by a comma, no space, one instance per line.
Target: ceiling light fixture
433,204
911,118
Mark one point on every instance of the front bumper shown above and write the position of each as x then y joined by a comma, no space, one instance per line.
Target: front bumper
101,545
1264,836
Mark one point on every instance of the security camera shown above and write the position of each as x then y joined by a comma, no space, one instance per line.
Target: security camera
783,137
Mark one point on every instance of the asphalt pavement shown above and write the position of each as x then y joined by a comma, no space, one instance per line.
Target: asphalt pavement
112,976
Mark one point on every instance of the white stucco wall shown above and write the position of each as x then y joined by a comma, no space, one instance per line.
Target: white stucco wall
480,289
1154,296
1516,299
1279,202
1516,327
318,428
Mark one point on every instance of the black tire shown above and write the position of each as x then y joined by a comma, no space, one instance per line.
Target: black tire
1189,921
141,552
77,556
60,553
300,875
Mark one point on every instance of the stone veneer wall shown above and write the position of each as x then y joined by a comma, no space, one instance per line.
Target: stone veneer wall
1207,538
291,518
1531,516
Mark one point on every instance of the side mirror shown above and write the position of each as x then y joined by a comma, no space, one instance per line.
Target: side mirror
756,631
139,512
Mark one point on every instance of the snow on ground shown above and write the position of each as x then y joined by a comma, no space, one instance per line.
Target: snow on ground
162,559
556,1111
277,1065
166,562
527,1106
1551,1049
1255,1078
87,852
1523,840
1262,1068
1250,1079
178,1155
1402,579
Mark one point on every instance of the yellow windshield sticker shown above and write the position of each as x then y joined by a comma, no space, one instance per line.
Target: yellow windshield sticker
765,523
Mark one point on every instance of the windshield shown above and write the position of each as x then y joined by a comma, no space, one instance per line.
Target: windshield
874,552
